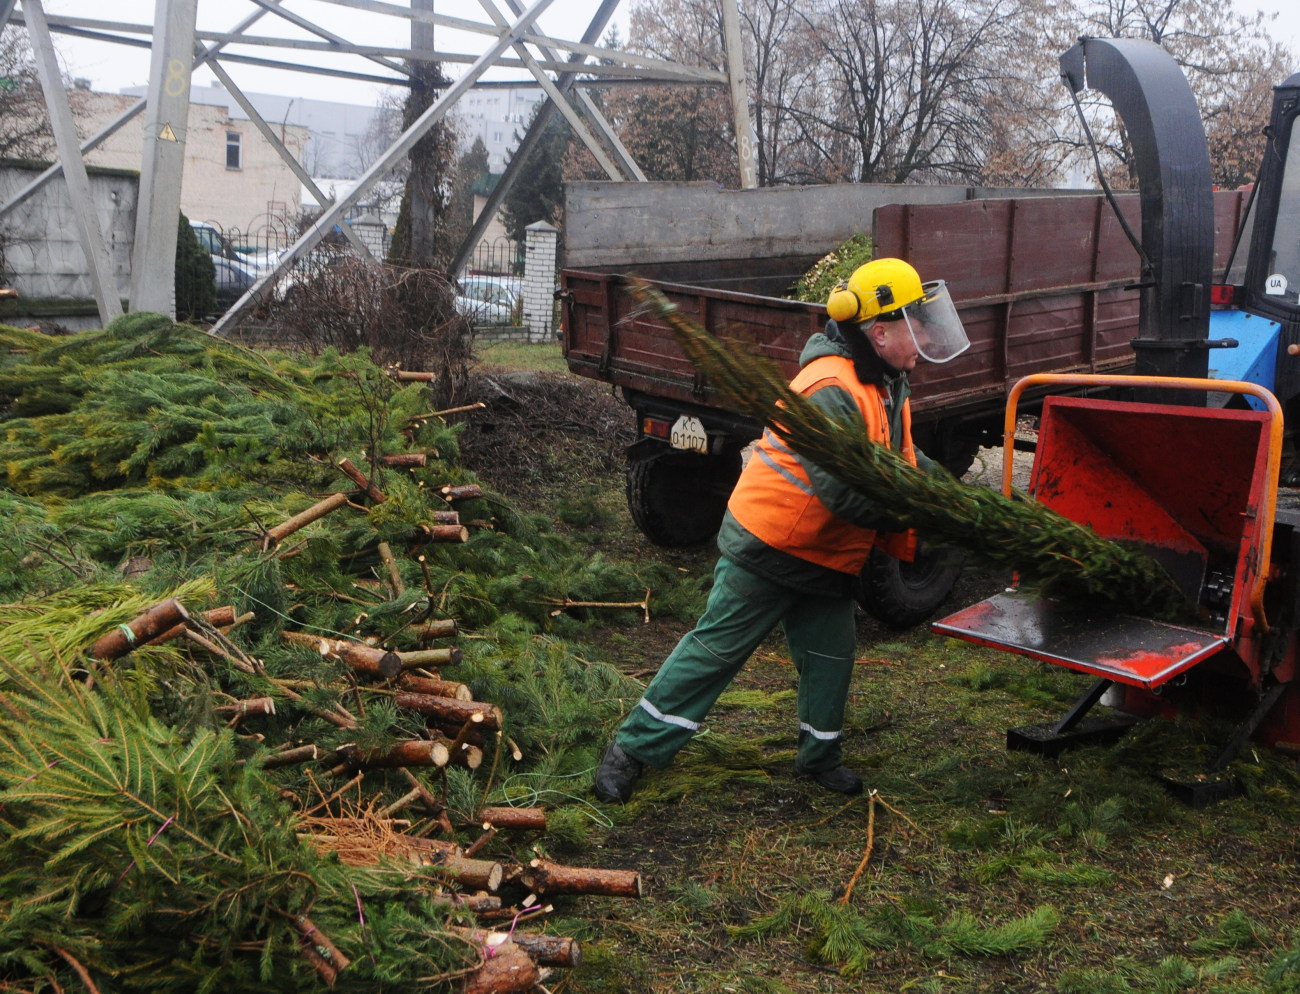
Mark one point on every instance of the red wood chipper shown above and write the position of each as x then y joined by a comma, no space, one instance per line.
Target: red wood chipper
1184,458
1196,488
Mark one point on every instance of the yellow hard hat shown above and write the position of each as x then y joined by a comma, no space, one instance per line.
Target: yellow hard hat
880,286
890,289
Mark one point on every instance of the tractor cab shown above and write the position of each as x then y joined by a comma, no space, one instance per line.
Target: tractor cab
1258,305
1272,273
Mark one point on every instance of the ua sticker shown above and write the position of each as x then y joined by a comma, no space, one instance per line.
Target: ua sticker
1275,285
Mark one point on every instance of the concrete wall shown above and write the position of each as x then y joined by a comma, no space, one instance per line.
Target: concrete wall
609,224
43,260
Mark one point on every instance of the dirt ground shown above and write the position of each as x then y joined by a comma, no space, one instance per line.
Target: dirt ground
548,441
967,868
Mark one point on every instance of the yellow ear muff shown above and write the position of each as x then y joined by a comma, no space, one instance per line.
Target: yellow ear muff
843,304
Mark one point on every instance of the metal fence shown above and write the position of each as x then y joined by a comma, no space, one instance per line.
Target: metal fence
497,257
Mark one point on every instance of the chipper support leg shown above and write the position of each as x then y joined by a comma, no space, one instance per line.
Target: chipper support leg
1216,784
1074,728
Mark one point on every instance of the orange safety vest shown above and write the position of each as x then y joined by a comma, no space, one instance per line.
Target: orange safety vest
774,499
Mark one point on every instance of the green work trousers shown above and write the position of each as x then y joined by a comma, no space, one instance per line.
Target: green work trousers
742,609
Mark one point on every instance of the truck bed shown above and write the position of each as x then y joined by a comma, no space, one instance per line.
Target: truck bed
1042,285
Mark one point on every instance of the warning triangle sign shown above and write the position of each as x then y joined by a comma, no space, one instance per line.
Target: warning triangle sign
167,134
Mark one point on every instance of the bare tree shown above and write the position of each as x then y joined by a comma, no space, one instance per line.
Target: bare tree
881,91
1029,129
382,131
1230,62
934,90
904,86
384,128
24,125
674,132
781,63
685,133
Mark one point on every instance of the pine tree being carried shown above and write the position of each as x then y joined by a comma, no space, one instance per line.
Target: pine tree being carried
1059,556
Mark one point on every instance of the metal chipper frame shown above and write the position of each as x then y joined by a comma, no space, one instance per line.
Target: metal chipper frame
1196,488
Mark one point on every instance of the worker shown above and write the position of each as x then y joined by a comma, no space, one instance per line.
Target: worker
794,538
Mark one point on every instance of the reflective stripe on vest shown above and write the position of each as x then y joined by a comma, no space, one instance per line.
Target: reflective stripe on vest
774,499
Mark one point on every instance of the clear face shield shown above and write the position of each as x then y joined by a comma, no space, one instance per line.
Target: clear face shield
936,329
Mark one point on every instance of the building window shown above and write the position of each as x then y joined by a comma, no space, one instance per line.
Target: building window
234,150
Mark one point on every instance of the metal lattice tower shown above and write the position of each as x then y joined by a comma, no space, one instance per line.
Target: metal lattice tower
562,68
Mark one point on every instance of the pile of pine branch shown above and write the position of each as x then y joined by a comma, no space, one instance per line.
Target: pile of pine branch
839,264
1057,555
269,656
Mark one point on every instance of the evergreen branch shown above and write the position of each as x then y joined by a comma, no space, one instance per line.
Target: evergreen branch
1060,556
82,973
69,773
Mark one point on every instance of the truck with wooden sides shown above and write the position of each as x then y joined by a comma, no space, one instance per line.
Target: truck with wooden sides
1044,282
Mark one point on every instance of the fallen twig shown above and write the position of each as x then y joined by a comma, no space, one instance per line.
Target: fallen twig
566,603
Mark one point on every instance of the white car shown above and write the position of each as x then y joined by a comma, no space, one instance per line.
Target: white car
486,301
261,262
219,247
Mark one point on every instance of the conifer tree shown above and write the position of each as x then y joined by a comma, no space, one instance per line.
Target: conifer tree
538,191
471,169
196,278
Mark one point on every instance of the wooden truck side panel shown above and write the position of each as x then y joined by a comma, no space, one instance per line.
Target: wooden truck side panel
608,337
1042,285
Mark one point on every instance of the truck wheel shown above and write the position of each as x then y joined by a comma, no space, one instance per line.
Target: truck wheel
677,498
903,594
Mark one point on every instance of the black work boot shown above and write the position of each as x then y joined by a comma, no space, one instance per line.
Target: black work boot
841,779
618,775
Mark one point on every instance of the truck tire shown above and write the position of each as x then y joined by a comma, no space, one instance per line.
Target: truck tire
677,498
901,594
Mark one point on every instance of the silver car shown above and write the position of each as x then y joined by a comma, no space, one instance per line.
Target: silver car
487,301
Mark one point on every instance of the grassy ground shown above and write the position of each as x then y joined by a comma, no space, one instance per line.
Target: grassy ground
544,357
966,868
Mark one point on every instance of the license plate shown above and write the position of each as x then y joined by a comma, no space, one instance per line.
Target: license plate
688,433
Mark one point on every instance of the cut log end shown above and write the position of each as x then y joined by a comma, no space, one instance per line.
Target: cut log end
506,969
506,817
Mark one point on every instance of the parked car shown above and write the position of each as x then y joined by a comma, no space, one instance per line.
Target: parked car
487,300
220,247
317,265
261,262
233,279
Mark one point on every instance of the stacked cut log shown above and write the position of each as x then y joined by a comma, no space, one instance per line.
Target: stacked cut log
433,686
456,722
444,526
517,957
458,729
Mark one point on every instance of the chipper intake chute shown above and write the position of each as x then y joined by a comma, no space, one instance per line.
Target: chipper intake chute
1193,487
